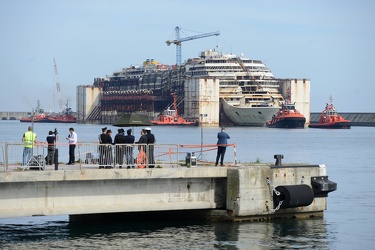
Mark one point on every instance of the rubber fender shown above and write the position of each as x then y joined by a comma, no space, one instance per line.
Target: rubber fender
322,186
293,196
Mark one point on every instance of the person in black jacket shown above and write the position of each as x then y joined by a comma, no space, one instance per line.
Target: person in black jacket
141,158
105,141
51,140
119,142
109,150
150,148
129,140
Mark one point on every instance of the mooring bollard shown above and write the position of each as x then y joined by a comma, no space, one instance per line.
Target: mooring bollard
278,159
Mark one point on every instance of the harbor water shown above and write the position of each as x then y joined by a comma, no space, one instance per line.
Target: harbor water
348,223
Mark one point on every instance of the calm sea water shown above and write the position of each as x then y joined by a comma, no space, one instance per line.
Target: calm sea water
348,223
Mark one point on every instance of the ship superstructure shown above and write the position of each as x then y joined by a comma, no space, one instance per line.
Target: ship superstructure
249,93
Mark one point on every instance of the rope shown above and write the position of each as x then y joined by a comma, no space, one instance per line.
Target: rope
206,145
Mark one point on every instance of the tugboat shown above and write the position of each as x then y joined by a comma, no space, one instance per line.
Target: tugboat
64,117
37,116
331,119
287,117
171,117
41,117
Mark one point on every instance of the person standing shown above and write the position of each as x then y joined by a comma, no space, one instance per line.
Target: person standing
72,139
222,142
150,147
109,149
105,141
102,148
142,140
51,141
141,158
29,140
119,149
129,139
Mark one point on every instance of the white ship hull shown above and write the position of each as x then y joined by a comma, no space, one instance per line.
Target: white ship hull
249,116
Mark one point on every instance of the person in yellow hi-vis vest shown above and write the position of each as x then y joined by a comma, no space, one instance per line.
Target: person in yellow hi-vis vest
29,139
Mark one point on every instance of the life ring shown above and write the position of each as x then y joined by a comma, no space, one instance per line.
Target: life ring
141,159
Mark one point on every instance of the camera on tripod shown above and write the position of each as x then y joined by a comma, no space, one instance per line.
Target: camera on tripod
55,132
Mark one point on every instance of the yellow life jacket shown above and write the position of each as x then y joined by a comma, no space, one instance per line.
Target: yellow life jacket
29,138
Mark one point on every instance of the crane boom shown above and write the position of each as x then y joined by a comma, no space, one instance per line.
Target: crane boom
58,86
179,40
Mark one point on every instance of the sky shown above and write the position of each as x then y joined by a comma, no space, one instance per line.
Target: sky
332,43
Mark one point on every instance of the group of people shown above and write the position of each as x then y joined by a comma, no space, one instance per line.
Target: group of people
124,148
105,148
29,139
124,145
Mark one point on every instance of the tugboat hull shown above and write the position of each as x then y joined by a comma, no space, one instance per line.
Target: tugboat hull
337,125
296,122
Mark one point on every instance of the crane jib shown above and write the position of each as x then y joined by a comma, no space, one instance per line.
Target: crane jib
179,40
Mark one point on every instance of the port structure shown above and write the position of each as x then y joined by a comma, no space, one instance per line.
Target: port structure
178,41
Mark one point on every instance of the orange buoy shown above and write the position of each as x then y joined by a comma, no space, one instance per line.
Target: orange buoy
141,159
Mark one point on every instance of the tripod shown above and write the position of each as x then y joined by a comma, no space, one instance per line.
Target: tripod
36,162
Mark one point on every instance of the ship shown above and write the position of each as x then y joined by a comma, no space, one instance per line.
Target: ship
287,117
171,116
136,89
249,92
38,115
66,116
329,118
35,118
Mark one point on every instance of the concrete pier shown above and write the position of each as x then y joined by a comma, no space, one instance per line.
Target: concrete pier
251,190
240,193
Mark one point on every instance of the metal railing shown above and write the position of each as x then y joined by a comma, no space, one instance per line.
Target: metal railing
88,154
128,155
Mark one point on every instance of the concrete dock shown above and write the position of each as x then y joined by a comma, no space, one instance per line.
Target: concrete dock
244,192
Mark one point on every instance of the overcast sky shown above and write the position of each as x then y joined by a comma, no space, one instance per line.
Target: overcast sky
332,43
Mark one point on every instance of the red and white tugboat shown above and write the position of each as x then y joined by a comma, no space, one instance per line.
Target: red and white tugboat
171,117
331,119
287,117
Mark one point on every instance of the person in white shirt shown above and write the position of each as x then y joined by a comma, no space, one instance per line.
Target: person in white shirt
72,138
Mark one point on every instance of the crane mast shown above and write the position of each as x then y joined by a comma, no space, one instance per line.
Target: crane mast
58,86
178,41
